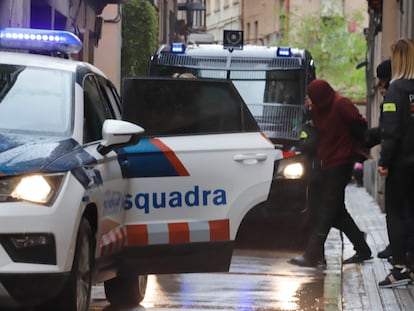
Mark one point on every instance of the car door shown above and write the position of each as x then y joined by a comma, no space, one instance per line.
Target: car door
202,165
108,193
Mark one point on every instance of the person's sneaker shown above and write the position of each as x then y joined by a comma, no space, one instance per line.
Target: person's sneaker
385,253
357,258
397,277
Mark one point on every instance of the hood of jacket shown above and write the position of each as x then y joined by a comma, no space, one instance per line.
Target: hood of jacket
321,93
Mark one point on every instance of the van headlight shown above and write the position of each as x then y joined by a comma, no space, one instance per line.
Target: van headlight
293,171
291,168
41,189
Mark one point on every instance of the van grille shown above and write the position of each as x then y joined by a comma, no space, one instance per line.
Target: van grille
228,62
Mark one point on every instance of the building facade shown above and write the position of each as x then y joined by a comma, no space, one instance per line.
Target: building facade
107,54
81,17
221,15
266,22
167,20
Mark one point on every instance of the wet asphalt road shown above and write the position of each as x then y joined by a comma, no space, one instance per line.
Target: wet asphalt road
259,279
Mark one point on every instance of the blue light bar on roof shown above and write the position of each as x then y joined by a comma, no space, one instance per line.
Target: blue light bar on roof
39,40
284,52
177,48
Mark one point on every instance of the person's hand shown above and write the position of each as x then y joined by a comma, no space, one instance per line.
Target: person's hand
383,171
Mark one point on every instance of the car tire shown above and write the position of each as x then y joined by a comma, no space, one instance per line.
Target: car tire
126,291
76,294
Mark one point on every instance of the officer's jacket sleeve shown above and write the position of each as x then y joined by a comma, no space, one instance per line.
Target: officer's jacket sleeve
372,137
391,125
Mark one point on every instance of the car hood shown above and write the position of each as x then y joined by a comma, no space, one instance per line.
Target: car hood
22,154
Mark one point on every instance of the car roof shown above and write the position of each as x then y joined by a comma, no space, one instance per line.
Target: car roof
44,61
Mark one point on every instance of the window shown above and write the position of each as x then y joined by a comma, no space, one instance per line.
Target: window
331,8
216,5
248,32
96,110
256,31
110,96
185,107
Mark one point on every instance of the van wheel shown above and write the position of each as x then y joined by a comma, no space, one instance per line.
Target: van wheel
76,294
126,291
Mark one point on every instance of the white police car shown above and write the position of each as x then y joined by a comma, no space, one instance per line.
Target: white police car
84,200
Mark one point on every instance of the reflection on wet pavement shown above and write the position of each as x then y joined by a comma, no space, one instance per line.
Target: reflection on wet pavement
259,279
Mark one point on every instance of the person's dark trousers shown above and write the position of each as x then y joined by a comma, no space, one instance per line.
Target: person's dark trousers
332,213
314,190
399,209
358,176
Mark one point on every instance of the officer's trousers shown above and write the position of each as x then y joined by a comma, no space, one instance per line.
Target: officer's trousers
399,209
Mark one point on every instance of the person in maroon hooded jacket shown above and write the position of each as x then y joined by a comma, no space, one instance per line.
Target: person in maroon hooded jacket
338,124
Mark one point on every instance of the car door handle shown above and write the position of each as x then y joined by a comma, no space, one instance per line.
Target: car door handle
250,158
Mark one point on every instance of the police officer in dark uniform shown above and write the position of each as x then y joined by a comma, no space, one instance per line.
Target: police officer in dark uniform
396,161
374,134
384,75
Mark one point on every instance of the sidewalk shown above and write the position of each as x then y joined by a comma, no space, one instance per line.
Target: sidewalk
360,289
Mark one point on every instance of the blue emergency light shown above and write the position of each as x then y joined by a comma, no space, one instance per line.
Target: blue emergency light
177,48
39,40
283,52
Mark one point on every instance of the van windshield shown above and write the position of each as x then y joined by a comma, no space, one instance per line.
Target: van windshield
274,97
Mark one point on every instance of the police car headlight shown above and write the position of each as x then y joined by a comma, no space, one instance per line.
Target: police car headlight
290,168
41,189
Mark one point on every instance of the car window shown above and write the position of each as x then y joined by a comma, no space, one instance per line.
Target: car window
35,100
110,96
96,110
185,107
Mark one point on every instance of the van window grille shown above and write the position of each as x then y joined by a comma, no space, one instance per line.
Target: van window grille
278,120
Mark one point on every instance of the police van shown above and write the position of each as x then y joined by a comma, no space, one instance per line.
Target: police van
85,197
272,81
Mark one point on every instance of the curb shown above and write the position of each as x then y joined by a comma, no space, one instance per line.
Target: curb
334,247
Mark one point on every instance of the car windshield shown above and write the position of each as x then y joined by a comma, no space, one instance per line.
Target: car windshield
35,100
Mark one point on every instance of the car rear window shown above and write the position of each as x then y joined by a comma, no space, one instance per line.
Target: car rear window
164,106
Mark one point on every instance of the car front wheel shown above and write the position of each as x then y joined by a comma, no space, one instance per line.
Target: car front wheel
76,294
126,291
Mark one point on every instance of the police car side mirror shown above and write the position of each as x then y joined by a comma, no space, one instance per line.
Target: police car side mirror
117,134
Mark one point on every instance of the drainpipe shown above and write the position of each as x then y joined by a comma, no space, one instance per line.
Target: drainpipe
242,14
287,19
